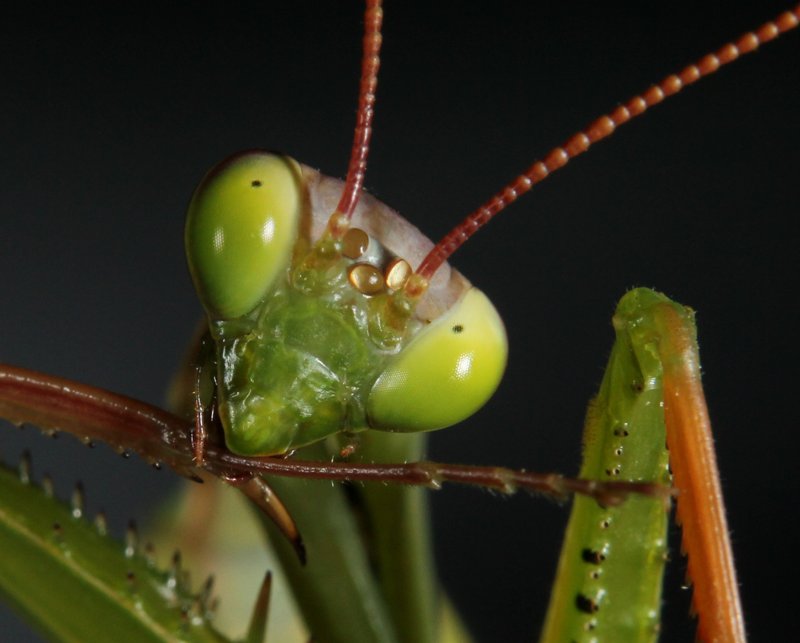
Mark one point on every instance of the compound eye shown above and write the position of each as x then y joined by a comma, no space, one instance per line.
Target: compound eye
446,373
241,227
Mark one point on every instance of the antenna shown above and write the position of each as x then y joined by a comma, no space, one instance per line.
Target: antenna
597,131
370,63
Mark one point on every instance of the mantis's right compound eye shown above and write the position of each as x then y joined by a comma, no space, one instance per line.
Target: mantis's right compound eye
241,227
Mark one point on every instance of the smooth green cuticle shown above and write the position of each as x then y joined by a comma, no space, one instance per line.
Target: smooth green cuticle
446,372
241,228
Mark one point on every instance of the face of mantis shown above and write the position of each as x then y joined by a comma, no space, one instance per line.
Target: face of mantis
108,132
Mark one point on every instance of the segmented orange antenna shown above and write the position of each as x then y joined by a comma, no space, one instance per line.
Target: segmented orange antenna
598,130
370,63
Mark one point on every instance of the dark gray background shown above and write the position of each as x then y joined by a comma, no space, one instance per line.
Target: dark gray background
108,122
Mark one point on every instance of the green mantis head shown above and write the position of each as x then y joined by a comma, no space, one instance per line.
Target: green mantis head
296,364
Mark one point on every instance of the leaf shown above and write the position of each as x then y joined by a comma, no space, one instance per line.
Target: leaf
75,583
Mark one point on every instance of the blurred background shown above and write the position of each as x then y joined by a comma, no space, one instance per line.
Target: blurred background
109,121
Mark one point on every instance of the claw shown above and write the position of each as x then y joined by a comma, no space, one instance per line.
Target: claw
259,492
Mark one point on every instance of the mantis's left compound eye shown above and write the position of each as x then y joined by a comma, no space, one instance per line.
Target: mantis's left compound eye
447,372
240,230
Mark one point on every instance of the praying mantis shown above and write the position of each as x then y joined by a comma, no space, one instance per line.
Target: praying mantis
144,135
